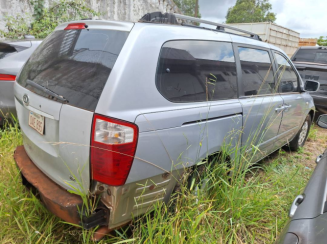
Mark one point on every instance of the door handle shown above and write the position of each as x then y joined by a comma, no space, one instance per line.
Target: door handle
297,201
286,107
279,109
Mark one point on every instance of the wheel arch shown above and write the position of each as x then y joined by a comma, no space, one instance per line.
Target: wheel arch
312,114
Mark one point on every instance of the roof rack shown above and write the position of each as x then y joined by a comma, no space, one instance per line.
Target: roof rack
168,18
220,27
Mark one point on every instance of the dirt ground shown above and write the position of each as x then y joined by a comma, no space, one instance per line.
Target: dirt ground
315,145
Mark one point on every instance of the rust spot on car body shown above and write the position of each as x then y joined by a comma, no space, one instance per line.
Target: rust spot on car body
59,201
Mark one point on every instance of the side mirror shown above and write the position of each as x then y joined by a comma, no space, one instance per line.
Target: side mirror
322,121
311,85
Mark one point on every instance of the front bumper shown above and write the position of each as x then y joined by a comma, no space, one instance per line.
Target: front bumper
320,103
56,199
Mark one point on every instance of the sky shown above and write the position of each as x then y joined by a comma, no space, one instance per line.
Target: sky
307,17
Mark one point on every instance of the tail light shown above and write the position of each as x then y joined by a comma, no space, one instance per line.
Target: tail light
75,26
113,146
7,77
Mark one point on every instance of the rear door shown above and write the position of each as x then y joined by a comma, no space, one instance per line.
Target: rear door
294,106
57,93
260,101
199,79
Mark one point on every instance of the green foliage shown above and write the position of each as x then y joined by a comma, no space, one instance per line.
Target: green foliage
250,11
188,7
322,41
249,206
38,8
17,27
45,20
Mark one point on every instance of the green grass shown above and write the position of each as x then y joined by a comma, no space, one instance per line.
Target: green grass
246,207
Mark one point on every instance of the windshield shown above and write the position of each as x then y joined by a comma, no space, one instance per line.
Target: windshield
75,64
311,55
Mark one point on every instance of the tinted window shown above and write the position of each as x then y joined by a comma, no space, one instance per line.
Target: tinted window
195,71
311,55
74,64
287,78
257,73
6,50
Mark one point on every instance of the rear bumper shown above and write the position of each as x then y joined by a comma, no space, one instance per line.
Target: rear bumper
56,199
320,102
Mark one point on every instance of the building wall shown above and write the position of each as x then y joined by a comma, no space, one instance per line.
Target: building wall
128,10
304,42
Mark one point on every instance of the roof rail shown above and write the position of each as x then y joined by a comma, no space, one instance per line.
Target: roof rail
220,27
168,18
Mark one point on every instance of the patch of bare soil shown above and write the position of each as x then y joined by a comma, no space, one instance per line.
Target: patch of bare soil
315,145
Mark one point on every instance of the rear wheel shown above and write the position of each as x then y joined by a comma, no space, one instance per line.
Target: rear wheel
301,137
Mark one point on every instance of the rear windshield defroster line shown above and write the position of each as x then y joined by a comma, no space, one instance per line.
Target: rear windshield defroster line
73,65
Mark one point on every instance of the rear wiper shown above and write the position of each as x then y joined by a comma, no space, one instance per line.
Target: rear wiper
47,91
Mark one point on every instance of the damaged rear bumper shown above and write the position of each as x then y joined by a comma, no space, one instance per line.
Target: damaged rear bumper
56,199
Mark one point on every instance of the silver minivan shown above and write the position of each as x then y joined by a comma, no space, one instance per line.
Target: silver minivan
118,110
13,55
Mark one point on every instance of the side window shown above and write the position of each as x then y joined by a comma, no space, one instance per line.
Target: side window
195,71
257,73
287,78
6,50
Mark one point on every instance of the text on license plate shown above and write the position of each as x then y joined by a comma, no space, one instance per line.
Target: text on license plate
36,121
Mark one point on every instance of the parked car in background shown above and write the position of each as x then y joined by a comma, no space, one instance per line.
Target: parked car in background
118,110
308,212
311,62
13,55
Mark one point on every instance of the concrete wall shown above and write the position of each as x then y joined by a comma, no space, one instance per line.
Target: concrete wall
130,10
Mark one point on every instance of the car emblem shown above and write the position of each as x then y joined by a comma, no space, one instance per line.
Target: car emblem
26,99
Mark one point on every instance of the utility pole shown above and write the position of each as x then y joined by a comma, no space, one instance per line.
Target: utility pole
196,8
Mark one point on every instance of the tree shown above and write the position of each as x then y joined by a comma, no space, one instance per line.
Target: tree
322,41
249,11
189,7
45,19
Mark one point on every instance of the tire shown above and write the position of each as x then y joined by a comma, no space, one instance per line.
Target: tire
301,136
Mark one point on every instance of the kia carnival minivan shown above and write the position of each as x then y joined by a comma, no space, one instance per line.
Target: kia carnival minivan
118,110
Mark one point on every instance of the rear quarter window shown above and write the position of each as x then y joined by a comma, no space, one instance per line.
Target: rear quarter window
196,71
74,64
6,50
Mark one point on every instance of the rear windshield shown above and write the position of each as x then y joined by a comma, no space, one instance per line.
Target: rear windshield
74,64
5,50
311,55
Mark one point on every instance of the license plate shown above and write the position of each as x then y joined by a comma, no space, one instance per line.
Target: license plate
36,121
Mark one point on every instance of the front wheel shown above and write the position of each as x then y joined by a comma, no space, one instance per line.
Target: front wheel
301,137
